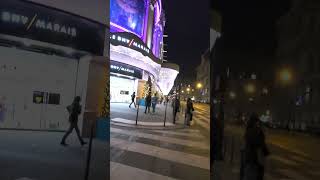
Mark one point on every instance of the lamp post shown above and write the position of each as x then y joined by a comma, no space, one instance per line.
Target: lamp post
285,76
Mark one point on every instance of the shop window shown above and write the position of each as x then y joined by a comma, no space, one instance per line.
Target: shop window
38,97
54,99
124,92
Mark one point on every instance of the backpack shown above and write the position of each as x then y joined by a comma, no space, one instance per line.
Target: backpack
69,108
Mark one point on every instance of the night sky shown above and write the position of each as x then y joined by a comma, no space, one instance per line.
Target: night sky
249,31
187,25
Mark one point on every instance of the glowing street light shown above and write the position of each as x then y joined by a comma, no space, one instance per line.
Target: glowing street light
250,88
285,76
188,89
182,91
232,95
199,85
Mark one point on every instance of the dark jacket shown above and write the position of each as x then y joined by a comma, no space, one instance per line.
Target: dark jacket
190,107
148,100
176,104
255,141
75,111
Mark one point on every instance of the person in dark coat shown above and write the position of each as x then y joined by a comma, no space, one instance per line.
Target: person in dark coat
74,110
148,103
189,111
133,97
176,108
255,150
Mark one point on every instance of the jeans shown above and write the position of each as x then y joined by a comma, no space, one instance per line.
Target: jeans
73,125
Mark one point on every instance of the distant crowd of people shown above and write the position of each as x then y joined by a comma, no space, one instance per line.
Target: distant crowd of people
153,101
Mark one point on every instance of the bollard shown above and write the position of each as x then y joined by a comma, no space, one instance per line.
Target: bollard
86,177
137,113
165,115
232,149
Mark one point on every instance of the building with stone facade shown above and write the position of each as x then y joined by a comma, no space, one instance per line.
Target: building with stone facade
298,49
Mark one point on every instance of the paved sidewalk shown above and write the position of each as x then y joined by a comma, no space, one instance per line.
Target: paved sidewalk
121,113
39,156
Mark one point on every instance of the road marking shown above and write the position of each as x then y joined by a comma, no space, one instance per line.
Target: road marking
128,121
292,174
177,132
162,153
121,171
283,160
162,138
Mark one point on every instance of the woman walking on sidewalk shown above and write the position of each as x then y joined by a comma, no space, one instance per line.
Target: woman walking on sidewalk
74,110
255,151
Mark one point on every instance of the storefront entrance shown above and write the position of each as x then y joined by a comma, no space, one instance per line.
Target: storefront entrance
121,89
35,89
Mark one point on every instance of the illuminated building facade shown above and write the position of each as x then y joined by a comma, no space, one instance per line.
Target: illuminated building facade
50,53
136,41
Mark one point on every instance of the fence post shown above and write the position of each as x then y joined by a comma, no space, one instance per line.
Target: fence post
232,149
137,113
165,115
89,154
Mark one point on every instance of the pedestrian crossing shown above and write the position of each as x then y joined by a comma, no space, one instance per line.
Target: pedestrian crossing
158,154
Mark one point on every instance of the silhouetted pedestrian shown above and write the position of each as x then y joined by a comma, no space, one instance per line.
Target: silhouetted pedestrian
154,102
148,103
176,108
133,97
74,110
255,151
189,110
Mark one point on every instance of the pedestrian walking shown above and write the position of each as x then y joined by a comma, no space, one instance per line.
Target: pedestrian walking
148,103
255,151
74,110
176,109
133,97
154,102
189,110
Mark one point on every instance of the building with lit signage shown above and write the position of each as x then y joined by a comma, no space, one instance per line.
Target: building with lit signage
50,53
136,43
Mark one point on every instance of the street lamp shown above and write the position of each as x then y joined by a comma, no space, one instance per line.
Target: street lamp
188,89
232,95
285,76
250,88
199,85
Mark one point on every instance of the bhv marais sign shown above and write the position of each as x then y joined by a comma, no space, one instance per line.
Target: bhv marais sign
131,41
125,69
37,22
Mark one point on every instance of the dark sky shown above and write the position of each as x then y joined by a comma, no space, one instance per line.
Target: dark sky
187,25
249,33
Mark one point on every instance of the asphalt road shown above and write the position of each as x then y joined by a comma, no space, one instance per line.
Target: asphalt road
293,155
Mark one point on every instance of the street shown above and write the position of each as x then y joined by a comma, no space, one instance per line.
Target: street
293,155
148,152
38,155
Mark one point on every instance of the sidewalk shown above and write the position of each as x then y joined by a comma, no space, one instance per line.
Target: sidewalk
121,113
39,156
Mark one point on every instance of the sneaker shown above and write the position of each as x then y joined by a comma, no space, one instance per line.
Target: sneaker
83,143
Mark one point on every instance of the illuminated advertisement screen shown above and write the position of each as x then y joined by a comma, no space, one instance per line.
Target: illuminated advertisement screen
128,15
